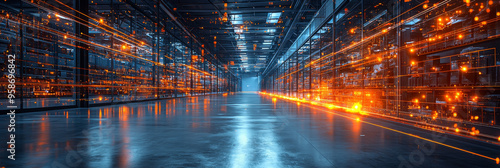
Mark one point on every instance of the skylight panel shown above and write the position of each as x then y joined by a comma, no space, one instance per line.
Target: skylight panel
236,19
238,30
273,17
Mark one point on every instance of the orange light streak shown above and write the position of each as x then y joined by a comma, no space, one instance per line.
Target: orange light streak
398,131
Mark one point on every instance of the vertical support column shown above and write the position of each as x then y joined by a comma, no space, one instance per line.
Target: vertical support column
218,77
135,61
113,54
176,81
334,77
303,76
297,75
157,46
191,64
361,51
283,73
272,83
398,69
55,47
310,70
204,75
210,86
319,67
82,53
290,76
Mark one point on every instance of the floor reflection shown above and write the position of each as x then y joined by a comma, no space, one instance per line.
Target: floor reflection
241,130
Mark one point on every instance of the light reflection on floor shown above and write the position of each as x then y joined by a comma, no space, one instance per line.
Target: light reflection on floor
240,130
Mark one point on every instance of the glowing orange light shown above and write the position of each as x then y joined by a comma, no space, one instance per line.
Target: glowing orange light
425,6
476,117
440,19
411,115
413,63
330,106
384,31
100,98
308,95
124,47
357,119
454,114
65,37
412,50
464,68
274,99
460,36
298,103
498,140
498,159
356,107
476,18
457,130
423,96
352,30
100,20
224,17
498,13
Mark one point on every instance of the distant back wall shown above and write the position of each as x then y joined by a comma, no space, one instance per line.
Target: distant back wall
250,82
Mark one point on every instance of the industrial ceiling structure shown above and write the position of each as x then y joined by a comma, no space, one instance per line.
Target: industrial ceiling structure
245,34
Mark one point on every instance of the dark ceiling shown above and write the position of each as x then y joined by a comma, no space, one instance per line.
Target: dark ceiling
245,34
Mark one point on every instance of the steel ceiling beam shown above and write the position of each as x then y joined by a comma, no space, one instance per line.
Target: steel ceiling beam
287,36
242,11
165,9
232,4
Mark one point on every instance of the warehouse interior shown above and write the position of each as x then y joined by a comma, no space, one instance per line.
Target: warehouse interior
250,83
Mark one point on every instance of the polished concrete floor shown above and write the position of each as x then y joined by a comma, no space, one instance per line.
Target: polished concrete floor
239,130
